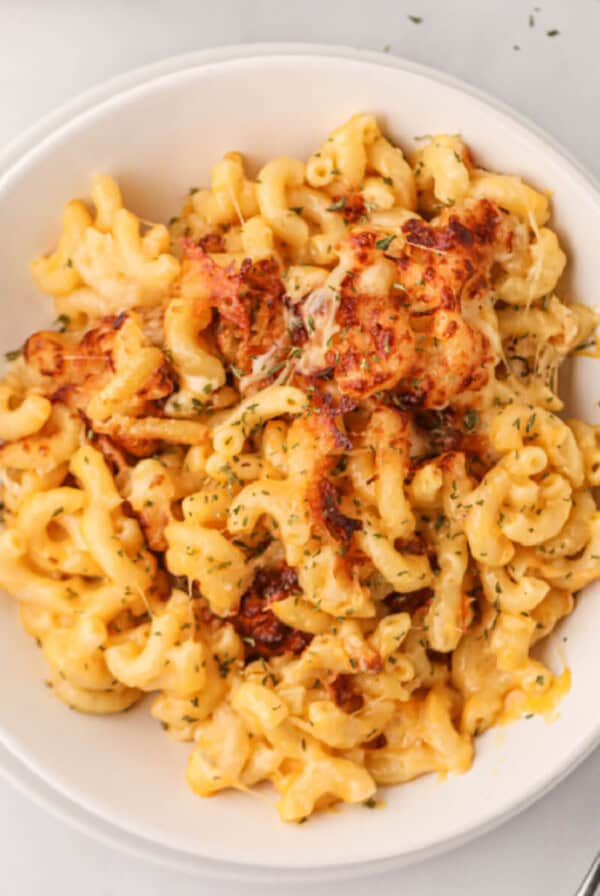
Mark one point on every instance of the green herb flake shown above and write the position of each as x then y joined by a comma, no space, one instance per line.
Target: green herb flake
471,419
384,243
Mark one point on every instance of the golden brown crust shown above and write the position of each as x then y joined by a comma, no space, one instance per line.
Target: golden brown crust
376,345
73,371
264,635
248,302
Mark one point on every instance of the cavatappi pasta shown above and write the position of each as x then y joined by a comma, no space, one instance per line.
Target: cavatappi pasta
293,464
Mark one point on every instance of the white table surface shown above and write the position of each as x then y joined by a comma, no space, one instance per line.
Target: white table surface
51,50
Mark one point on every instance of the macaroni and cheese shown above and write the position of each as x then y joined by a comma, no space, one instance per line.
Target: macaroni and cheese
294,465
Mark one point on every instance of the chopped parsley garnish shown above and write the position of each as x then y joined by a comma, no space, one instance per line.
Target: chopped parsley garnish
223,665
471,419
384,243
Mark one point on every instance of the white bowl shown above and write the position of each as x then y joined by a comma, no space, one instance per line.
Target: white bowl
159,136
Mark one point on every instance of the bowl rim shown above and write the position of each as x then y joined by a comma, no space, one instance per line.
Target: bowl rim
15,157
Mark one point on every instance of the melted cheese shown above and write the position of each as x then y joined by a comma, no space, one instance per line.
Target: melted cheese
261,365
545,705
318,313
